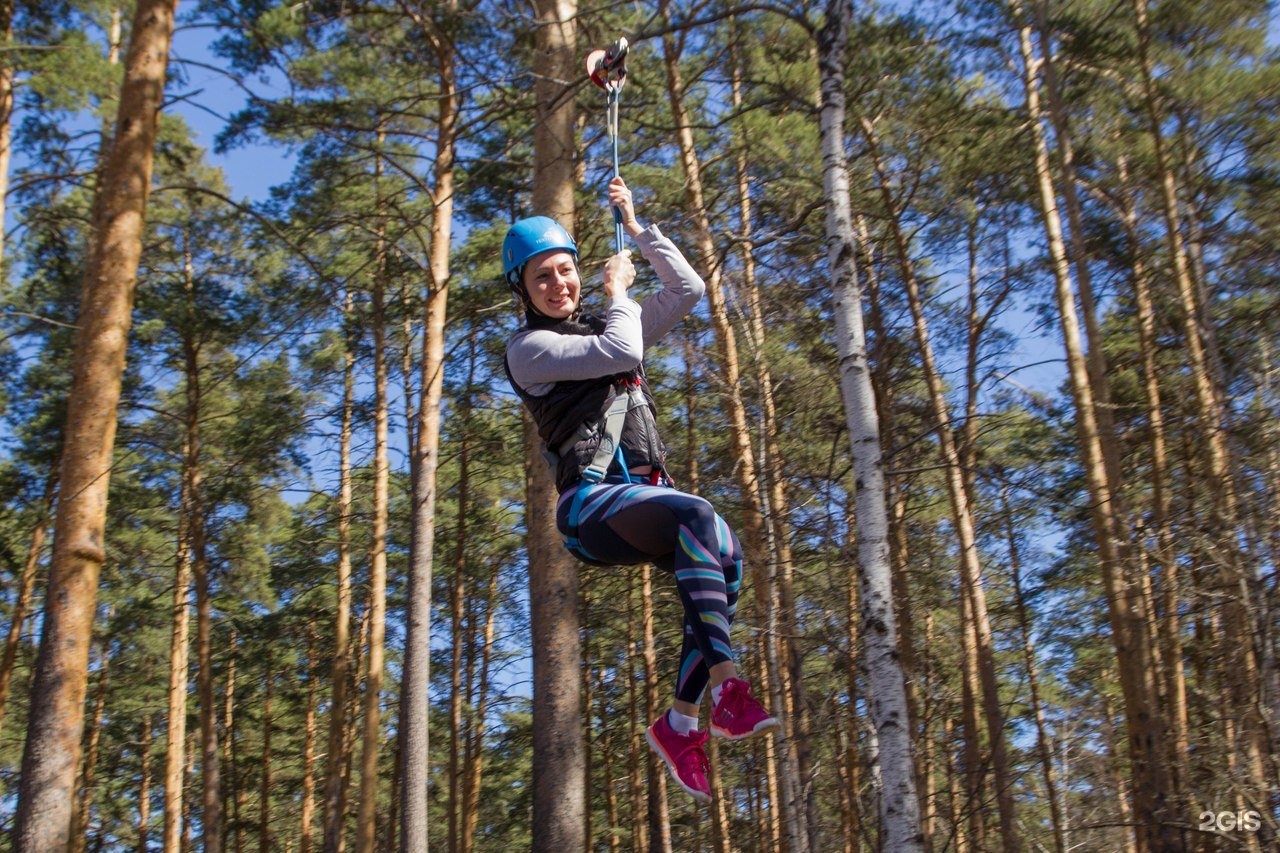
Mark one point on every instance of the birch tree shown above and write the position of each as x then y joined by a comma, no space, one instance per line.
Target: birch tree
899,806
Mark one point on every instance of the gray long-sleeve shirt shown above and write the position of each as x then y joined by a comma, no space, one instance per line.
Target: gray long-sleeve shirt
539,358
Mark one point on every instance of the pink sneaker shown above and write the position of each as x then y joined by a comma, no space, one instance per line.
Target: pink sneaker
738,715
684,756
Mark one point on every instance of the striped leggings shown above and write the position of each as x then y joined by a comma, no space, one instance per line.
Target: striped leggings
624,523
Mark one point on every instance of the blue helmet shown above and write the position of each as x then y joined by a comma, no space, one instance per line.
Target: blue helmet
529,237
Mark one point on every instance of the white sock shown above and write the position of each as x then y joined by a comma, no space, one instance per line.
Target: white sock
715,694
682,723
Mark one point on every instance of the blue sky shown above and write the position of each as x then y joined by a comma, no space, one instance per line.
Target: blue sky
209,99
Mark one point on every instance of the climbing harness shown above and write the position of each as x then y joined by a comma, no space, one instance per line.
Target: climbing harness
608,70
609,449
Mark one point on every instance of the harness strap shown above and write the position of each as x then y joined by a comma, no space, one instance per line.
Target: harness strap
584,430
575,516
611,433
609,449
571,542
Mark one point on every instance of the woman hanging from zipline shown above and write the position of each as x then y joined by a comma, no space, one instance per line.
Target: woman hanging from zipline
582,378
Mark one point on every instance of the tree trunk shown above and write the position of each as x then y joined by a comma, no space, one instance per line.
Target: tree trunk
1170,623
354,719
1044,750
776,499
211,788
189,772
977,322
766,821
587,699
899,806
56,717
692,477
1238,587
210,762
961,507
1269,549
391,824
659,817
635,725
1153,828
179,650
26,588
458,736
849,762
975,768
414,707
306,815
88,773
953,789
467,728
264,794
1064,159
234,790
1124,807
721,833
848,807
475,764
1095,356
371,736
765,568
559,797
899,547
927,778
966,439
408,358
606,769
769,820
335,788
144,784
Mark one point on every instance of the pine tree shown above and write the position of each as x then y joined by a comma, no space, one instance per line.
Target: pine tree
52,745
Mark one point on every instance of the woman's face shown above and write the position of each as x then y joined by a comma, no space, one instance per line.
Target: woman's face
551,280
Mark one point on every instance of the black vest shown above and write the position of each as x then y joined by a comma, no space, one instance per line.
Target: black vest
570,404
